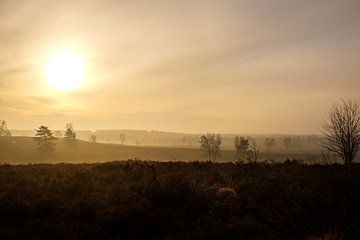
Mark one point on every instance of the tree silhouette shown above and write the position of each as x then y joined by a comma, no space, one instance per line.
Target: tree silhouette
269,143
44,138
254,152
4,135
241,147
70,135
287,142
210,145
342,130
4,131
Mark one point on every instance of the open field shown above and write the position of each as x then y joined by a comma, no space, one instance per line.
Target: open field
23,150
198,200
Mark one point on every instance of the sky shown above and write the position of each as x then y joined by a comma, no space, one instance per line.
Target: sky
193,66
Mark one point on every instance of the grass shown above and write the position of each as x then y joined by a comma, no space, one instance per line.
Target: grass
23,150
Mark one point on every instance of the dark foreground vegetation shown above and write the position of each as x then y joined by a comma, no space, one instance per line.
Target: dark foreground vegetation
176,200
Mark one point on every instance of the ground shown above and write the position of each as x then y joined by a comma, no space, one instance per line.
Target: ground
23,150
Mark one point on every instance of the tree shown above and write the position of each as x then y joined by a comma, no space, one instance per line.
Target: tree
254,152
241,147
45,138
4,135
269,143
342,130
210,145
69,135
93,138
287,142
4,131
122,138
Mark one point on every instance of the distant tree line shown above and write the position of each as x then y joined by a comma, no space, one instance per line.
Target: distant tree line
245,148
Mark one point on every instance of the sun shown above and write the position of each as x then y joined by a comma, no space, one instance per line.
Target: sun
65,71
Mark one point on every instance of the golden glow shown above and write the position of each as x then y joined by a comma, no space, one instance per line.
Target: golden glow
65,71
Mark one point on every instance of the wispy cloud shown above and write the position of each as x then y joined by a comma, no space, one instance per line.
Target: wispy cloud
199,61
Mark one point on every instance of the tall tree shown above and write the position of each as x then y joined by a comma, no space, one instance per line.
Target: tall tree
45,139
210,145
69,135
269,143
342,130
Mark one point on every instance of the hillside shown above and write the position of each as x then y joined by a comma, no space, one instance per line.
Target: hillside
23,150
159,138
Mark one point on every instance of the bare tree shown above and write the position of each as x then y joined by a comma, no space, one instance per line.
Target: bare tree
254,151
287,142
269,143
342,130
210,145
241,147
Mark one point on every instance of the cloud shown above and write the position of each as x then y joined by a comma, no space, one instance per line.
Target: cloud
198,59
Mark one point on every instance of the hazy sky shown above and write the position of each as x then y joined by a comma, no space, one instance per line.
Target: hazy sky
250,66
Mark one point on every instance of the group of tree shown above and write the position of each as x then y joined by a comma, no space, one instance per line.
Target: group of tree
269,143
341,132
46,140
245,148
210,145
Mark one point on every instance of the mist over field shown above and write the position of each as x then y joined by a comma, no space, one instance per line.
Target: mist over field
181,119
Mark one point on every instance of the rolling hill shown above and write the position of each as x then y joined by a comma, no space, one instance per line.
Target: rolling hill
23,150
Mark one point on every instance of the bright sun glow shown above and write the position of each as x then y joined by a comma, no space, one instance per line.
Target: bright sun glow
65,71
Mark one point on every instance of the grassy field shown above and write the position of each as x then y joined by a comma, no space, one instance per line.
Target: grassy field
197,200
23,150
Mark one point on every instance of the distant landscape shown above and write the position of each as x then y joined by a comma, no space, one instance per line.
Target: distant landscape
156,146
180,120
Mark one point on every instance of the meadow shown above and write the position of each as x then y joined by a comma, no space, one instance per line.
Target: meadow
24,150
